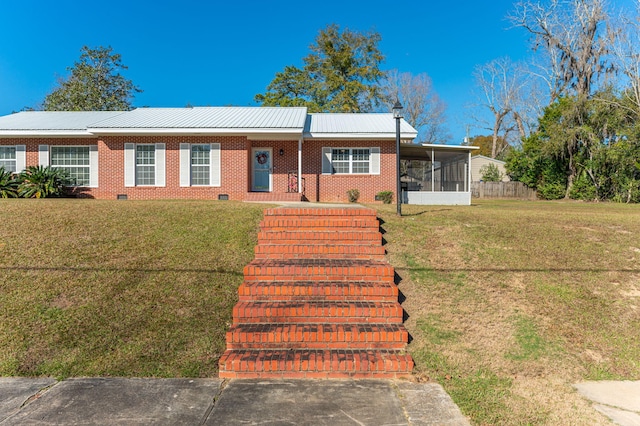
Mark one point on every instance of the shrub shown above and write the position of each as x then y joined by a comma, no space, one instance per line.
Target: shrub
551,191
41,182
491,173
8,184
385,196
353,195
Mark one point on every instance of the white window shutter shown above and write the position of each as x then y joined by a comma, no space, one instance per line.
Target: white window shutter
375,160
21,158
214,158
43,155
93,166
160,165
326,160
185,164
129,164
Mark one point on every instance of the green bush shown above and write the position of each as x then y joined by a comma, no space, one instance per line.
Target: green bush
385,196
491,173
42,182
583,189
551,191
353,195
8,184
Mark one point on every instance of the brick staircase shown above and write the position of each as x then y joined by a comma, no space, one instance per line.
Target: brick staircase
318,301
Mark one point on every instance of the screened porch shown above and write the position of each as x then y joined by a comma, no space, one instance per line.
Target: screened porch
435,174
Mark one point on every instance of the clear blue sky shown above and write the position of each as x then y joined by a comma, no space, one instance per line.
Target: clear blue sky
225,52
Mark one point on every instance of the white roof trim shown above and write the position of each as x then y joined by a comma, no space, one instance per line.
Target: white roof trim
47,133
455,147
192,131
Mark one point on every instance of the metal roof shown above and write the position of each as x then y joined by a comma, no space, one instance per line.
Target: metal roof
255,121
328,125
207,118
36,123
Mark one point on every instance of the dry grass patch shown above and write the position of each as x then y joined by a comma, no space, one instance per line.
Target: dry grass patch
511,302
107,288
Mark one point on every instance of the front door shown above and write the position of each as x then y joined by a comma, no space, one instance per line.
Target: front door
262,169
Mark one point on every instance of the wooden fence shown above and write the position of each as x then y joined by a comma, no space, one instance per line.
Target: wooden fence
502,190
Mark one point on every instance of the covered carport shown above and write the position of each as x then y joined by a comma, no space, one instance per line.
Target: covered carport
435,174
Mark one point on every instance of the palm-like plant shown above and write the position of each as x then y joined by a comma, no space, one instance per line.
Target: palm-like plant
8,184
42,182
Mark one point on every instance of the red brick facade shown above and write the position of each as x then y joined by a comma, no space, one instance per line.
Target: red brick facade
235,162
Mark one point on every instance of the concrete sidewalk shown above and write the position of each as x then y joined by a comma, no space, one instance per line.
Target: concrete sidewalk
93,401
618,400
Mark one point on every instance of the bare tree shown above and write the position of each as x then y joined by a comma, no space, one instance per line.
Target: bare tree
423,108
626,53
501,84
575,37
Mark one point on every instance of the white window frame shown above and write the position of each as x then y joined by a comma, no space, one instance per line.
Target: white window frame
328,162
131,166
19,157
186,166
52,148
44,159
151,165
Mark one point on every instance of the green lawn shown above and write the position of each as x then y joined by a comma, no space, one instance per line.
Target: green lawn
106,288
512,302
509,303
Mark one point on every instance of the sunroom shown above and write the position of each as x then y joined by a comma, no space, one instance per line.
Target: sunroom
433,174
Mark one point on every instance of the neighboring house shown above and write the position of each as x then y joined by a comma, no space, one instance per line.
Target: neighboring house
478,161
237,153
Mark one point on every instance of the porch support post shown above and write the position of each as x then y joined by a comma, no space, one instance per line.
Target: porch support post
469,173
300,165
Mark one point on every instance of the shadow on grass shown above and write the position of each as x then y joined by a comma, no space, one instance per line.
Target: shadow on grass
89,269
451,270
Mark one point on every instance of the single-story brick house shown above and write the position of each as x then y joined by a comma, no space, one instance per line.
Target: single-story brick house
237,153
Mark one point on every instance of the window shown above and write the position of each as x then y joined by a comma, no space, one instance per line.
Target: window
201,164
145,165
75,161
350,160
8,158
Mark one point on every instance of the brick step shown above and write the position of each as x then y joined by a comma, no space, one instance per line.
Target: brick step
317,312
315,364
313,290
273,196
317,336
303,223
346,237
318,270
319,251
319,212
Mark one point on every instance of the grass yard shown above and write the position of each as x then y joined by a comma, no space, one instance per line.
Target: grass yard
512,302
509,302
107,288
